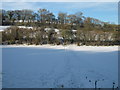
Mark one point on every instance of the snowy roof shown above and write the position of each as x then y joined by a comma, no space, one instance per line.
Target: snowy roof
47,29
74,30
60,37
25,27
57,30
2,28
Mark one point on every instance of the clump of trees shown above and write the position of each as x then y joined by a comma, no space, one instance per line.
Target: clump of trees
38,36
73,28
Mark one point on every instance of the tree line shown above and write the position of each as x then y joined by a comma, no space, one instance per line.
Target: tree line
73,28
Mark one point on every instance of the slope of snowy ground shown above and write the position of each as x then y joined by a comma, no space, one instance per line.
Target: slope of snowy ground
69,67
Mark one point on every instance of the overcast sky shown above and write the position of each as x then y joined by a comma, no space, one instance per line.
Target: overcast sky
105,11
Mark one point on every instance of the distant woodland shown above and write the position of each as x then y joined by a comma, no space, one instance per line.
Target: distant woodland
62,29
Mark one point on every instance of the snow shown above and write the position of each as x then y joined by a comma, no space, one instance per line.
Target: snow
53,66
25,27
70,47
48,29
74,30
58,31
60,37
2,28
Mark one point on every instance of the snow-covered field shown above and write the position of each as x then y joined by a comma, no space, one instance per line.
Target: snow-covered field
58,66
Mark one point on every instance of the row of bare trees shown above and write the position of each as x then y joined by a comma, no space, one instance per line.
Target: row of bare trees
38,36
